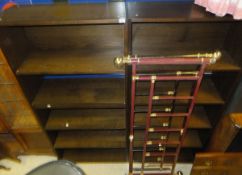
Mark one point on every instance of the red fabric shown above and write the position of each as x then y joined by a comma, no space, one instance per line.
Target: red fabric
222,7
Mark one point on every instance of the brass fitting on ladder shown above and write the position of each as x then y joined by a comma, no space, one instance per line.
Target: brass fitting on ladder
214,56
119,62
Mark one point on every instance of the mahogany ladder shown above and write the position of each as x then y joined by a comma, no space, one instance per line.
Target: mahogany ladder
159,148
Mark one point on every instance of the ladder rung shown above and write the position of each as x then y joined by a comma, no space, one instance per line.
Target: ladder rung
158,154
168,114
172,97
165,129
157,142
167,78
169,93
154,168
155,164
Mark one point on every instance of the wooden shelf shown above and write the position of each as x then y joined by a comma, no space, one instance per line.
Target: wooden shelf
171,12
192,139
207,94
199,120
80,93
111,139
86,119
90,139
63,14
71,62
91,62
101,155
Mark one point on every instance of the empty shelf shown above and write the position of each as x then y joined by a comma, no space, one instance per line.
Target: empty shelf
71,62
90,139
63,14
79,93
86,119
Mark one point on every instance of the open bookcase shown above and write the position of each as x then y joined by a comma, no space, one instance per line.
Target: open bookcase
62,58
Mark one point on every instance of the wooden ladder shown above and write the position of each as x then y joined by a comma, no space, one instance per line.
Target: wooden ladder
159,148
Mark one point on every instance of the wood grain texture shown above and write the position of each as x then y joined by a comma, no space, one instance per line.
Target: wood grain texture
223,135
3,129
36,140
96,155
10,146
61,14
14,108
86,119
217,164
90,139
19,117
218,159
81,93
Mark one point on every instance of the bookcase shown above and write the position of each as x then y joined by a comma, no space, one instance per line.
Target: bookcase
62,58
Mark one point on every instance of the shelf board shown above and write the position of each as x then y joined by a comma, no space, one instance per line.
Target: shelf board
71,62
171,12
95,155
80,93
192,139
91,62
199,120
90,139
64,14
86,119
207,95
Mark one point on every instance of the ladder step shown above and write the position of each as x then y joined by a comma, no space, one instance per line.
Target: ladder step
165,129
157,142
169,114
159,154
166,78
173,97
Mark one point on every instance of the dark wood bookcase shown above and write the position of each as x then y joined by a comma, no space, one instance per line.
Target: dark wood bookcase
53,49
